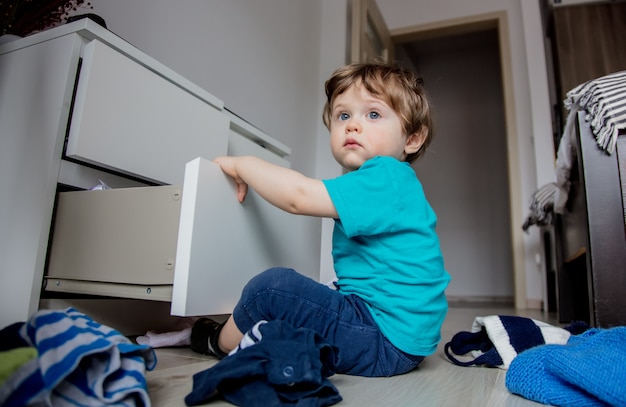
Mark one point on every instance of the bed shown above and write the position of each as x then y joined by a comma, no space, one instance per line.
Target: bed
590,205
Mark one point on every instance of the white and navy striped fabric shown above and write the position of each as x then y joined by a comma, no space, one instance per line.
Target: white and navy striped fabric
80,363
495,340
604,100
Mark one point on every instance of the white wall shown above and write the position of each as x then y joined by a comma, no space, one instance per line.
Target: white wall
334,46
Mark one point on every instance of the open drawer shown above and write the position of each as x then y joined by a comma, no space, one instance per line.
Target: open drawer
194,245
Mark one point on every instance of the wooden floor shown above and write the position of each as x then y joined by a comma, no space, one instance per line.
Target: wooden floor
436,382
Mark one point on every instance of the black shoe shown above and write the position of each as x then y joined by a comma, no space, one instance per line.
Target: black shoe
204,335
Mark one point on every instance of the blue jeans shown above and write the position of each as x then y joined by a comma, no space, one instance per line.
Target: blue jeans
343,320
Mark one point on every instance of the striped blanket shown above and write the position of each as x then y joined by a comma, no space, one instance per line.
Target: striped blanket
604,100
541,207
80,363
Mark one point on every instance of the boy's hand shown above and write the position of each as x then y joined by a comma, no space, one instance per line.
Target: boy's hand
282,187
229,167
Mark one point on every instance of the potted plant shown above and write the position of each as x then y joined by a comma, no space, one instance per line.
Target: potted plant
24,17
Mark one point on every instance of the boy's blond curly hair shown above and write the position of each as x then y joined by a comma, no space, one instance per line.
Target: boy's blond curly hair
402,90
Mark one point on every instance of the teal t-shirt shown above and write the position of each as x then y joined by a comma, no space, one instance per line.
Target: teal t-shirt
386,251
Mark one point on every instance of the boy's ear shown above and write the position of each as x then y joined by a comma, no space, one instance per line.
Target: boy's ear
415,141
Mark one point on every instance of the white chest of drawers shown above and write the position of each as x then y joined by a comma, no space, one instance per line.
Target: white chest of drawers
78,104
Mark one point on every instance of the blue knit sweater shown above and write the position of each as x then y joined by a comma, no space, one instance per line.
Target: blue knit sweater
590,370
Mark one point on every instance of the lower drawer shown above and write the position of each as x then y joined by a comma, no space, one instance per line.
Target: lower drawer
119,242
194,245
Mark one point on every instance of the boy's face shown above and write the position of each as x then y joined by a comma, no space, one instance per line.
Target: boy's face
363,126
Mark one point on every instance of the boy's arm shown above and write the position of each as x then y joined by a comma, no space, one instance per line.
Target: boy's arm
282,187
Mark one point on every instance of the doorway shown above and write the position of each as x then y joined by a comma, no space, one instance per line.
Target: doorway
467,172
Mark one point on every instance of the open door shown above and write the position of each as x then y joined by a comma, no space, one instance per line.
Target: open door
370,37
467,25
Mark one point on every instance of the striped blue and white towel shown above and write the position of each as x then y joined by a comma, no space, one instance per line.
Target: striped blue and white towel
80,363
604,100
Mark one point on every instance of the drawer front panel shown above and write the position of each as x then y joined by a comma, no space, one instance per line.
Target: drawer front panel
222,243
129,119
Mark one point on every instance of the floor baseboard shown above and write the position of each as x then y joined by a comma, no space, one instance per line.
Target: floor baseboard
480,301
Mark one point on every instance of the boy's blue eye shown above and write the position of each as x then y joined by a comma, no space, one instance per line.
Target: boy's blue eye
344,116
373,115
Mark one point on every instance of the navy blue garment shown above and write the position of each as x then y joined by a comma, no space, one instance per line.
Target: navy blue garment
288,367
10,337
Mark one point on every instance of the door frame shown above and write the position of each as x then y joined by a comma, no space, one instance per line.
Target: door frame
499,21
370,39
